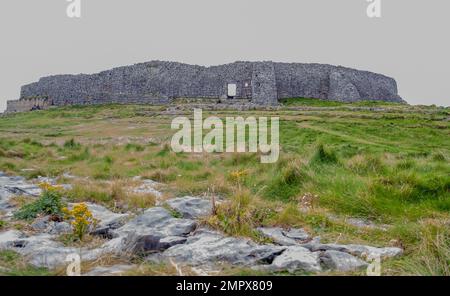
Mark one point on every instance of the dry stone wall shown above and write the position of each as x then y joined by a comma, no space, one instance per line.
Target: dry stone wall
157,82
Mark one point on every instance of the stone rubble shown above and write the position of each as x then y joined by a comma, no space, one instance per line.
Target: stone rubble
283,237
191,207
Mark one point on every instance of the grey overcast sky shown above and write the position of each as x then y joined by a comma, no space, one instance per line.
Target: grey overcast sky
410,42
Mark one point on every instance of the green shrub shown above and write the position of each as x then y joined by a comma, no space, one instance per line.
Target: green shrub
50,203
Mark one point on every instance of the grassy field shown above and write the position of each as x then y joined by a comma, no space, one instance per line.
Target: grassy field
384,163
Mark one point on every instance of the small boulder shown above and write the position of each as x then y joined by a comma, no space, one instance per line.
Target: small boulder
296,258
341,261
191,207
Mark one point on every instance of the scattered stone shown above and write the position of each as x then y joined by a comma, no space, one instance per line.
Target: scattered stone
148,187
191,207
211,248
19,187
296,258
58,228
42,250
40,224
107,220
155,229
51,181
8,237
160,236
357,250
115,270
341,261
297,234
284,238
361,223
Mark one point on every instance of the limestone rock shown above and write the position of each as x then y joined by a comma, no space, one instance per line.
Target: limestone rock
341,261
44,225
341,89
7,238
148,187
211,248
40,224
158,82
296,258
191,207
283,237
154,230
107,220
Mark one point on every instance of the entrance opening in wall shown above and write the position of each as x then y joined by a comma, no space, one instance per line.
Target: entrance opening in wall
232,90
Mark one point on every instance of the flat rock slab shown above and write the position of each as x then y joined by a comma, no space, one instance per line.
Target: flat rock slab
191,207
17,186
148,187
357,250
106,219
115,270
41,250
283,237
211,248
296,258
341,261
154,230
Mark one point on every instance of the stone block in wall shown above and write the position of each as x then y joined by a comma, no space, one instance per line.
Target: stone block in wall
264,86
342,89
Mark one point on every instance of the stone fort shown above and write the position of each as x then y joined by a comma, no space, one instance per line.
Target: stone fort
158,82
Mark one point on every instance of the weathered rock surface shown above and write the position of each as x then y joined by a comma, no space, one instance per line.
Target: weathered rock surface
285,237
17,186
342,89
148,187
191,207
115,270
209,247
44,225
357,250
154,230
341,261
296,258
107,220
160,236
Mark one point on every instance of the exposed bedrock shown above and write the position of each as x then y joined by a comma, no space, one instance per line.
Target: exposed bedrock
157,82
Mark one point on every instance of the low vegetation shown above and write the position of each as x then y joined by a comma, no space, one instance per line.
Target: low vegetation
379,162
49,203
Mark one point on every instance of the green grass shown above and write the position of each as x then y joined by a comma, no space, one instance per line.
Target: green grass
12,264
385,162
